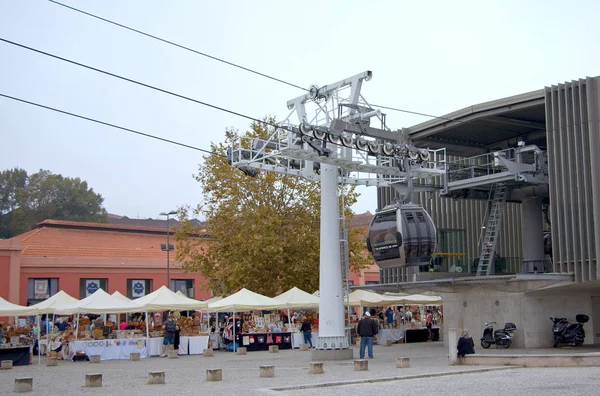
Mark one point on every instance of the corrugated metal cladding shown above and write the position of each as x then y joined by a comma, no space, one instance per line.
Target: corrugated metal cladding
573,135
461,214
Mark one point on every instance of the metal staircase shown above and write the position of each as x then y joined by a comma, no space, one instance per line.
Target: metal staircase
488,247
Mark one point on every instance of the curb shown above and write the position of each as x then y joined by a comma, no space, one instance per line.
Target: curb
387,379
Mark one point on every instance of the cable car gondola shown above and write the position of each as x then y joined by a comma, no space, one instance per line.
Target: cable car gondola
401,235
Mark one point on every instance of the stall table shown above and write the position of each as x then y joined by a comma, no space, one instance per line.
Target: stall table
421,335
154,345
389,334
111,349
260,341
298,339
192,345
20,356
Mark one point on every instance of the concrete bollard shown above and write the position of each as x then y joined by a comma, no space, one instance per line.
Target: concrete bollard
361,365
95,359
93,380
24,384
267,371
273,348
402,362
156,378
6,365
51,362
452,343
316,368
134,356
241,351
208,352
173,354
304,347
214,375
387,343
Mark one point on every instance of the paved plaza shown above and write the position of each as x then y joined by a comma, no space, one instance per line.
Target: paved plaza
428,374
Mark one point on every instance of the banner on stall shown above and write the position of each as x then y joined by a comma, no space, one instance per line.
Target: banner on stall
138,288
111,349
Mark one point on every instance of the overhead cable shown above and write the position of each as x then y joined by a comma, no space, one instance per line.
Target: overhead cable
110,125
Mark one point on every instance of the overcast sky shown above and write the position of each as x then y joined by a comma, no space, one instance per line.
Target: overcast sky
427,56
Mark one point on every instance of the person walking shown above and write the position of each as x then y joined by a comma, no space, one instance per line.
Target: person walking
389,317
366,329
465,345
307,332
170,328
429,324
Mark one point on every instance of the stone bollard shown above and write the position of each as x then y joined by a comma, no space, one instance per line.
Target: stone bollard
273,348
361,365
267,371
316,368
93,380
304,347
402,362
241,351
208,352
156,378
51,362
6,364
214,375
134,356
387,343
95,359
173,354
24,384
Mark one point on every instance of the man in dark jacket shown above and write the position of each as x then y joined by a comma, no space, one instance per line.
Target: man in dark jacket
366,329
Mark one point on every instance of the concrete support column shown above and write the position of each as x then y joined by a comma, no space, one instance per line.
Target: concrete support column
452,344
533,234
331,307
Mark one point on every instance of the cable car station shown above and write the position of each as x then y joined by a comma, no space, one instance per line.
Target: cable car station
494,206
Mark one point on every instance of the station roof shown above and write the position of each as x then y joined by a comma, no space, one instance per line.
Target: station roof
486,127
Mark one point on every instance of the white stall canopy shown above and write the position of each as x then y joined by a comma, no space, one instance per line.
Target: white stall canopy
54,303
164,299
10,309
297,298
244,300
365,298
118,295
101,302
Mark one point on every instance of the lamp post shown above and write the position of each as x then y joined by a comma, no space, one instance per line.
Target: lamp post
168,248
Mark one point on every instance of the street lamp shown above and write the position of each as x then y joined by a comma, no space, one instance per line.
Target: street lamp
168,247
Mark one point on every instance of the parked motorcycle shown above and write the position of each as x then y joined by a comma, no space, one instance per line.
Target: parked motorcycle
569,333
502,337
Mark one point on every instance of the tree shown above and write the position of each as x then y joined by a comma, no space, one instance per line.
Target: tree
264,230
26,200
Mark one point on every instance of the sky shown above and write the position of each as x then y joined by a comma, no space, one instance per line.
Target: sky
432,57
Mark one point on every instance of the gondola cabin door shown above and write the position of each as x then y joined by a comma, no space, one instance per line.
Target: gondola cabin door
402,235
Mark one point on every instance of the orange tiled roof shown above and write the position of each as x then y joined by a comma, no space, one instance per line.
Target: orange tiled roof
56,238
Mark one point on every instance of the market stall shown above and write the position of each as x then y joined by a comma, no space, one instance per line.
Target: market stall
11,347
244,301
192,339
105,341
294,299
393,335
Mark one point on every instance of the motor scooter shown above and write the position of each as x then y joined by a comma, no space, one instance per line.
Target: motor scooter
501,337
569,333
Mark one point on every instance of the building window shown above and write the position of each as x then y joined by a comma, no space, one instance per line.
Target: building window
350,283
39,289
88,286
186,286
138,287
371,282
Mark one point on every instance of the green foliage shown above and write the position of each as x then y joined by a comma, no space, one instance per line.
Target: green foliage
264,230
26,200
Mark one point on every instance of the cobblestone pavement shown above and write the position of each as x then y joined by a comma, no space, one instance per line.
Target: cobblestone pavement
187,374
